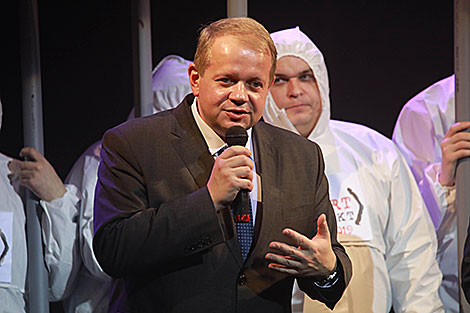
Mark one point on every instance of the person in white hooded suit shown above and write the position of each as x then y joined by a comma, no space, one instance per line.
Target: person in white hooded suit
74,273
432,143
13,244
381,218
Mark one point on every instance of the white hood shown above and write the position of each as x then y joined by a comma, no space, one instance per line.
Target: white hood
423,123
293,42
170,83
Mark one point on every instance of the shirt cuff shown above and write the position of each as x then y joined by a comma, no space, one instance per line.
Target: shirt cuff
329,281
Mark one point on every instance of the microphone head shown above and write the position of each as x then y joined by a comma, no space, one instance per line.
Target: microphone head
236,136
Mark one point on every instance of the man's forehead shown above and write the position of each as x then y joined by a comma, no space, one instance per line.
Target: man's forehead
292,65
296,72
247,43
229,53
241,72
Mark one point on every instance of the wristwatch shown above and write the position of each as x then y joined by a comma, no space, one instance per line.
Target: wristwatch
329,281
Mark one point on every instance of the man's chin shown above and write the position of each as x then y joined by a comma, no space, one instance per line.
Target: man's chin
243,124
246,123
300,118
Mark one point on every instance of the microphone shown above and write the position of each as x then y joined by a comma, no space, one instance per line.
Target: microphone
237,136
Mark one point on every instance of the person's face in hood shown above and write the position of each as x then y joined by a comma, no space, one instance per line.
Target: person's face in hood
233,89
295,90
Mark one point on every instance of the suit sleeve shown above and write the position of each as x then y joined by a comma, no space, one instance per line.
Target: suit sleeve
330,296
133,238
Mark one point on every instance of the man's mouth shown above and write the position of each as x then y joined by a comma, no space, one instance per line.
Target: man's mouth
294,106
236,113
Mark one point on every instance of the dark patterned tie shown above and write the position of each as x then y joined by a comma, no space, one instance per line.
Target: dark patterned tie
244,225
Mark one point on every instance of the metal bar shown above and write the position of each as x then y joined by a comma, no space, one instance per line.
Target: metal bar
462,113
237,8
38,301
142,56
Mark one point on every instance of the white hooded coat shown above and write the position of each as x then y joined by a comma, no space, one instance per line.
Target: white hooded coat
418,133
13,270
14,264
382,220
88,286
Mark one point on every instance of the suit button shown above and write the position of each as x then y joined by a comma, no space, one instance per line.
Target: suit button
242,279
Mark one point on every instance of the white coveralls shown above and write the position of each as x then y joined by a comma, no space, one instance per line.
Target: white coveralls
420,128
382,221
13,268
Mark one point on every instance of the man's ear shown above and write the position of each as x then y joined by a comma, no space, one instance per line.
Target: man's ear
194,79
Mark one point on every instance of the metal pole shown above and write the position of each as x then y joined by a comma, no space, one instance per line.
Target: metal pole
38,301
237,8
462,113
142,56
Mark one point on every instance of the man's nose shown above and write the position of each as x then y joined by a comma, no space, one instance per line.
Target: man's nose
293,88
239,93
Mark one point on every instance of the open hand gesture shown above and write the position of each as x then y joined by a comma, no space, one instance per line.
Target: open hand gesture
309,257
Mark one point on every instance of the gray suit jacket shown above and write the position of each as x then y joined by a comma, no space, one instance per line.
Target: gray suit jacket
158,230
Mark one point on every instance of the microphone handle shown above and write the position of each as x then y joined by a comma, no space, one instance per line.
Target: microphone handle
241,207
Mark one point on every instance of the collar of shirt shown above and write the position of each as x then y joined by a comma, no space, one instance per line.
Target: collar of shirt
213,141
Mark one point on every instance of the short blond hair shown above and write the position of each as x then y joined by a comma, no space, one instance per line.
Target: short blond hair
248,31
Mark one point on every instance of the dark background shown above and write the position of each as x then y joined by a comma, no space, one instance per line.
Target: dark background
378,53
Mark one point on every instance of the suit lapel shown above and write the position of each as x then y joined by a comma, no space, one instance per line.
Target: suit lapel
267,165
192,148
190,144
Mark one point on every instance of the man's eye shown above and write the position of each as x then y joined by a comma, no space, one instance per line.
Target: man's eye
279,80
256,84
307,77
224,80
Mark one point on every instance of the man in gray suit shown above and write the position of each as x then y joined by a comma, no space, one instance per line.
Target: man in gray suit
163,204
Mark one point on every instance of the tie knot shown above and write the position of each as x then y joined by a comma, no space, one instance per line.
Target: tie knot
219,152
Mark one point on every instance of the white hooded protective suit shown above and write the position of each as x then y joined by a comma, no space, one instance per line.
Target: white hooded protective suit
13,267
14,261
420,128
89,286
382,220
